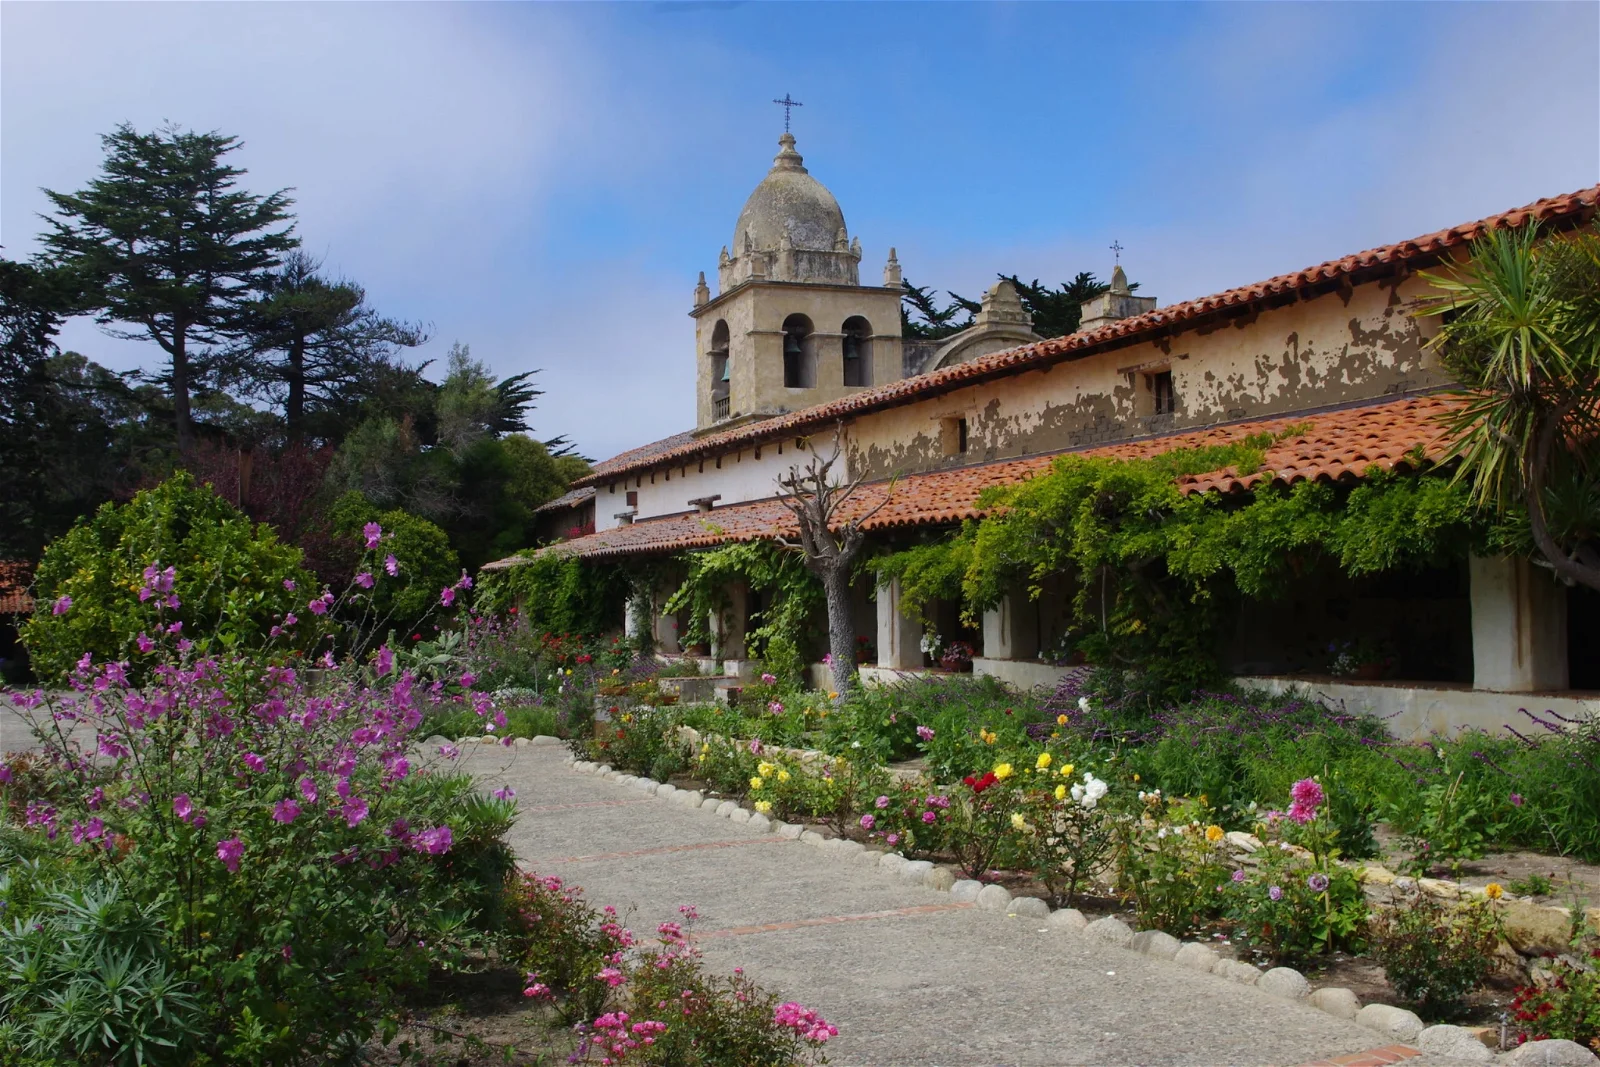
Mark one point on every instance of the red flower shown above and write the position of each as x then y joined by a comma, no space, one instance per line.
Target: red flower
978,785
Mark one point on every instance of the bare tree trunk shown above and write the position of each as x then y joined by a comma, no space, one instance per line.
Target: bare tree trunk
180,393
841,626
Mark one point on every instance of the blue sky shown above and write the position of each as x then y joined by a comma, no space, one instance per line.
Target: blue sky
544,181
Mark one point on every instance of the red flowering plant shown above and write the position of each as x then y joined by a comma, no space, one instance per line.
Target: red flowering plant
1567,1007
300,859
981,832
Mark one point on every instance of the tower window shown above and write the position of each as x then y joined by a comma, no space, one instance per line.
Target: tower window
857,346
720,371
799,348
1163,401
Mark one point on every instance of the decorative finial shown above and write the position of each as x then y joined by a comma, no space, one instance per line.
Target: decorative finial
787,104
1116,250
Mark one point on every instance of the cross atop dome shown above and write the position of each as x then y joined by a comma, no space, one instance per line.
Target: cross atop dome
788,104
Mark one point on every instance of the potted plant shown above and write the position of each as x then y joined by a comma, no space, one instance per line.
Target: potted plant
1363,659
957,656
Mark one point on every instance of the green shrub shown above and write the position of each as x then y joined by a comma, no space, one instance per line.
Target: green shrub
426,563
1435,954
1172,865
1567,1008
106,581
639,741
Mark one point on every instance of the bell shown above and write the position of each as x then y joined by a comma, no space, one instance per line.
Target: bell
791,345
725,370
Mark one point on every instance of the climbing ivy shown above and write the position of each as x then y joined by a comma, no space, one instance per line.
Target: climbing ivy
559,594
791,595
1147,563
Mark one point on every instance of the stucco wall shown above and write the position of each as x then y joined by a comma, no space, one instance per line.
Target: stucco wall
1325,351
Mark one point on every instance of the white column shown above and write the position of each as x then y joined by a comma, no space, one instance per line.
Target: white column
899,635
664,627
1010,629
1519,627
630,618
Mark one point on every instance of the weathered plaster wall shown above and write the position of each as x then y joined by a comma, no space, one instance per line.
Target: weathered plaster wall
741,476
1329,350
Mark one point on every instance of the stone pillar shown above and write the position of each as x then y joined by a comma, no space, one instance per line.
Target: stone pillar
1011,629
727,626
630,618
664,628
899,635
1519,627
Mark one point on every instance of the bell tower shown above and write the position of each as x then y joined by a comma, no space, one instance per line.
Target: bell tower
791,325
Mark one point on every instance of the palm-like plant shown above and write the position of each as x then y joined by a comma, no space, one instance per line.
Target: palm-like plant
1521,334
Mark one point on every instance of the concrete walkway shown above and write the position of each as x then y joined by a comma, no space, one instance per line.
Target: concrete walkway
907,976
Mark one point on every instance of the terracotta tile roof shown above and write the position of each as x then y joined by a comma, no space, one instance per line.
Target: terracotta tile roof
570,499
14,581
1417,253
638,456
1337,445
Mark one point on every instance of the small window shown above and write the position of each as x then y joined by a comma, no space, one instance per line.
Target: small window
953,436
633,499
1163,400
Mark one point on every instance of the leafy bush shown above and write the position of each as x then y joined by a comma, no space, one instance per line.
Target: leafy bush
1172,864
834,791
1567,1008
642,741
424,563
302,868
178,559
1434,954
913,817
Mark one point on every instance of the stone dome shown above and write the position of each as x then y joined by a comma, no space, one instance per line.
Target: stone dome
789,202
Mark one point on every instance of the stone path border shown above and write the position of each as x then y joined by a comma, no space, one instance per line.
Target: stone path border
1411,1035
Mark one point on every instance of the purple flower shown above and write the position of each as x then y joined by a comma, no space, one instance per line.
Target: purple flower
61,606
229,852
1317,883
893,839
288,583
144,643
175,628
373,533
504,793
384,662
88,831
182,806
434,842
881,803
255,762
868,822
1239,876
355,810
1516,800
449,751
308,789
925,733
1275,893
447,596
285,811
928,817
391,565
318,606
465,581
364,579
5,774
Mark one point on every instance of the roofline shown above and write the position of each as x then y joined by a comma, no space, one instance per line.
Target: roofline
1394,260
701,309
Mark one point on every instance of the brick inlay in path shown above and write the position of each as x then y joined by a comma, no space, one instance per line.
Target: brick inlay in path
826,920
660,850
1373,1057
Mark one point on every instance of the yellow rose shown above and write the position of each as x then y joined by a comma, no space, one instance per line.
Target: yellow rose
1002,771
765,770
763,806
1018,822
833,696
1066,770
1042,762
1493,891
1061,720
783,775
755,783
1061,792
1213,833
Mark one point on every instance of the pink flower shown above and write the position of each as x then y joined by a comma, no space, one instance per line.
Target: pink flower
925,733
881,803
1275,893
449,751
447,596
285,811
308,789
468,679
893,839
373,533
288,583
768,679
504,793
229,852
182,806
391,565
255,762
364,579
465,581
61,606
434,842
144,643
175,628
1239,876
1307,798
355,810
88,831
803,1021
173,602
289,619
318,606
868,821
610,976
775,708
928,817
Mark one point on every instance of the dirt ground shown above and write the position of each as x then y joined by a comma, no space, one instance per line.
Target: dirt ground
474,1020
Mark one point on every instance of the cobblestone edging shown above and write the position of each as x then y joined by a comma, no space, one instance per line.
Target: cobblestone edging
1408,1034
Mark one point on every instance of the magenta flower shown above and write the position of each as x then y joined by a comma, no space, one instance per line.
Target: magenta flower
768,679
144,643
364,579
175,628
182,806
775,708
173,602
504,793
373,533
881,803
447,596
229,852
355,810
391,565
5,774
255,762
308,789
318,606
893,839
610,976
434,842
868,821
465,581
285,811
1516,800
925,733
61,606
1307,797
288,583
928,817
384,662
289,619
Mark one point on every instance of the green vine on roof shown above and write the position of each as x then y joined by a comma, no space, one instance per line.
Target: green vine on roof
1147,564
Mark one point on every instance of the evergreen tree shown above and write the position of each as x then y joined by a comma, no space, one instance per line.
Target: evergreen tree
316,342
1057,312
931,322
165,242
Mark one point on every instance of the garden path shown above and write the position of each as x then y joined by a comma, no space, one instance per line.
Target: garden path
907,976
